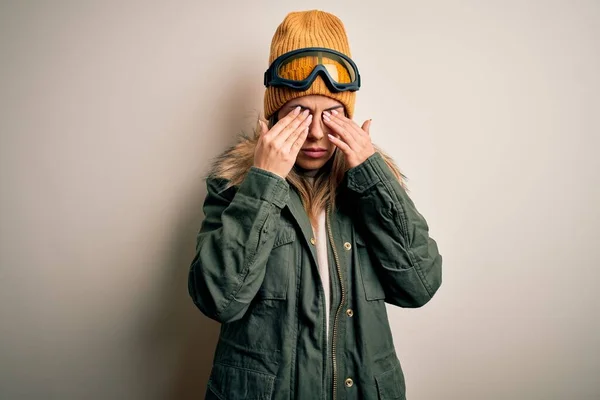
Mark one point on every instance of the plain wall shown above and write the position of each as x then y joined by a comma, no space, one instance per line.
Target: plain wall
111,112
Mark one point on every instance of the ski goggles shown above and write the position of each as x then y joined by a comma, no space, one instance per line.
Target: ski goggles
298,69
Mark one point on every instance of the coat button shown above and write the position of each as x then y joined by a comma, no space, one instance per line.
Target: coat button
347,246
313,240
349,312
349,382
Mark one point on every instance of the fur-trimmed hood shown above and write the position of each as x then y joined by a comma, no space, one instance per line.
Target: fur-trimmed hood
233,163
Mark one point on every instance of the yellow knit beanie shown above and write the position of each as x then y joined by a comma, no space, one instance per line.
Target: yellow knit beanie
302,29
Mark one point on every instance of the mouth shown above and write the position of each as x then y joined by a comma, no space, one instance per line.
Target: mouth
314,152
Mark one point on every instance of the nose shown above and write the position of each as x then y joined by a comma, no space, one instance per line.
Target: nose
316,130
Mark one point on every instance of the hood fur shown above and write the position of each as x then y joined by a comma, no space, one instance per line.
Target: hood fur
235,161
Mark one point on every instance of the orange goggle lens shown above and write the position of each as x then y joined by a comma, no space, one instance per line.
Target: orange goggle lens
299,67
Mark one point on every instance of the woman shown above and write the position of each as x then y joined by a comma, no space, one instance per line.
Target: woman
308,233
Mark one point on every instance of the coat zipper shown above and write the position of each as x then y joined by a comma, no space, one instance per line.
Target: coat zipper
342,301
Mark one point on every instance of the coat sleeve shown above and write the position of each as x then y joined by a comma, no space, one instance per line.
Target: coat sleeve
409,264
234,243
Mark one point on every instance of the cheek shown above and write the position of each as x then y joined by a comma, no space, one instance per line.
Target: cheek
331,150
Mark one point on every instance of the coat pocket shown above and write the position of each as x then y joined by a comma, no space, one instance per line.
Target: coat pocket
229,382
371,283
281,261
390,384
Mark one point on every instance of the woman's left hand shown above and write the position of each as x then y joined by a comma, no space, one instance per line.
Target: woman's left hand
352,140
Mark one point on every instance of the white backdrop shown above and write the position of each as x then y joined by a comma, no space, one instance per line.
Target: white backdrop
110,113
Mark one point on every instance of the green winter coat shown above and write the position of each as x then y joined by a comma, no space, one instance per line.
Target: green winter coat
256,272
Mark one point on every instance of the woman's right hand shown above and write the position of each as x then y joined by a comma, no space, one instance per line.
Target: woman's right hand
278,147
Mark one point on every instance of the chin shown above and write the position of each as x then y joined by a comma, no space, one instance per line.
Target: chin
311,163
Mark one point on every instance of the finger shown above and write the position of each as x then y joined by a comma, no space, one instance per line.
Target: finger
356,137
263,127
291,128
340,130
289,142
339,144
349,125
285,121
297,145
366,126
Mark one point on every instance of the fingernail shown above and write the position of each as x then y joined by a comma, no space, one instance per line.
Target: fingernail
334,112
297,110
309,118
326,118
326,113
305,112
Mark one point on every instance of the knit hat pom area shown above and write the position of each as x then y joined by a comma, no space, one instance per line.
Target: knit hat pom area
302,29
